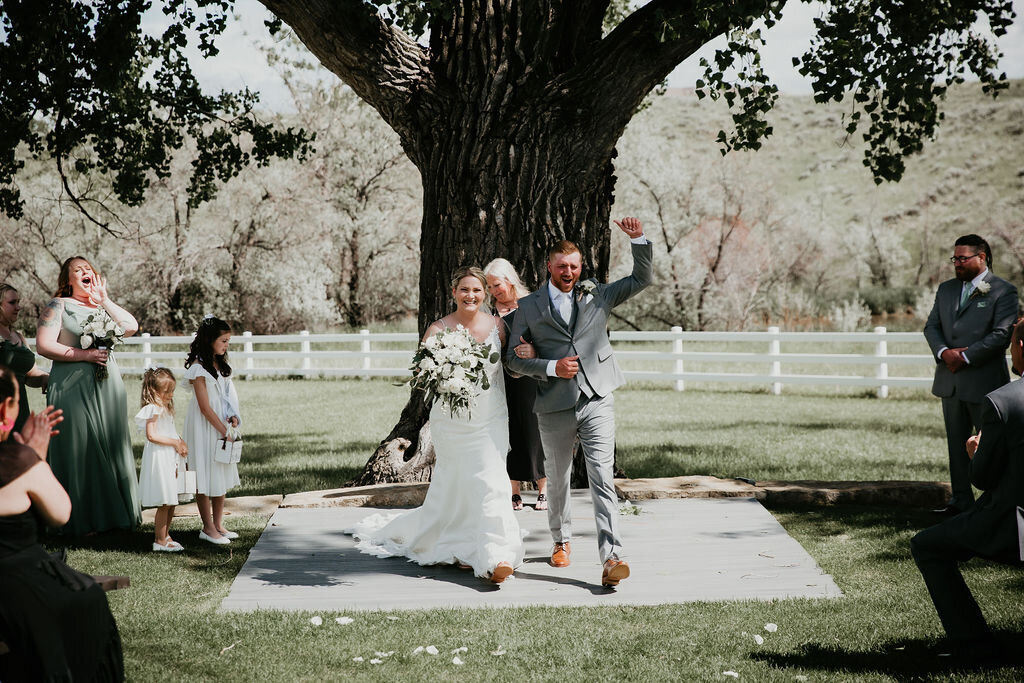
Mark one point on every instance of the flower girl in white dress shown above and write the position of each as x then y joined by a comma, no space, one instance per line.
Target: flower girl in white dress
210,424
162,456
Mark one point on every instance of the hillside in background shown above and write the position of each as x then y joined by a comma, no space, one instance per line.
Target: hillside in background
795,234
808,192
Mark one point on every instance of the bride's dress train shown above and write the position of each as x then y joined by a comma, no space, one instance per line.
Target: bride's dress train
467,515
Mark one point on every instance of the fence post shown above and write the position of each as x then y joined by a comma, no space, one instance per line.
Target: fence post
364,347
774,349
304,350
147,348
677,347
881,351
247,348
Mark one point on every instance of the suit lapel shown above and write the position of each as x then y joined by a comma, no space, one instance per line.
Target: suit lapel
970,299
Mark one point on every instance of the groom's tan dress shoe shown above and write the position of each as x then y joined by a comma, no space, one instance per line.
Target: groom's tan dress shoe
615,570
560,555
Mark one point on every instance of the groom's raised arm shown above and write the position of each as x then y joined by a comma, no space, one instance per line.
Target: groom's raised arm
533,367
643,261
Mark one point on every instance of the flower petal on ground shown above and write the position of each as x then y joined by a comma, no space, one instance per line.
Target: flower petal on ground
418,650
316,621
392,618
771,628
357,659
731,674
758,639
431,650
376,661
499,652
456,661
460,649
344,621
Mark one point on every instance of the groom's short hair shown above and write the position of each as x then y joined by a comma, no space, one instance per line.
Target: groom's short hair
563,247
979,244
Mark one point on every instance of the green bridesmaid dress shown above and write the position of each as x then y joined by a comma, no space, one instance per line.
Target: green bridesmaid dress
92,456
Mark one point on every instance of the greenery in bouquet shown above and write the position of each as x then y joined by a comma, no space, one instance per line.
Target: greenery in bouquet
450,366
100,331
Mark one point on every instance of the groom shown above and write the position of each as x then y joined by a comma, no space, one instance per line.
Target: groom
567,323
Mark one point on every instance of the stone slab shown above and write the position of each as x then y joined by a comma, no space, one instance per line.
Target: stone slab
375,495
680,550
923,494
242,505
699,486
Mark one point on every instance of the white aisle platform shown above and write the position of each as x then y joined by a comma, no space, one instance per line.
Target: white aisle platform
679,550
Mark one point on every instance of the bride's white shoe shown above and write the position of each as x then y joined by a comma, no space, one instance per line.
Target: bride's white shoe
501,572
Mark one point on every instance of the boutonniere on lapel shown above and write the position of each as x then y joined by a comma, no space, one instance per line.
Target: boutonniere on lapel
982,289
585,288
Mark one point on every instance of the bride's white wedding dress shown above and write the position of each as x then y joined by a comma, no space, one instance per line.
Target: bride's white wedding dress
467,515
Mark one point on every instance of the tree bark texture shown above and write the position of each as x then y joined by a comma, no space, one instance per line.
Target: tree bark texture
511,114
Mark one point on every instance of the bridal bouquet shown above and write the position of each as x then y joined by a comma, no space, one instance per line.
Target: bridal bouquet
450,366
99,331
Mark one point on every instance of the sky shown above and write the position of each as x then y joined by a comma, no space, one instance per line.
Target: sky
242,64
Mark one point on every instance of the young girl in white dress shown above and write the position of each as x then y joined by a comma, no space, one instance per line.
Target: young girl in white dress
162,456
212,419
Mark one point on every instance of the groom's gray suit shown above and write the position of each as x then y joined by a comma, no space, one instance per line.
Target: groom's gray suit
582,405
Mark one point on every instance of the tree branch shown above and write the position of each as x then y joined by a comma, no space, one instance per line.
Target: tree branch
382,64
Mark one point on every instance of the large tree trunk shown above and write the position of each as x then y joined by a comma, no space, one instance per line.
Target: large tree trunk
511,115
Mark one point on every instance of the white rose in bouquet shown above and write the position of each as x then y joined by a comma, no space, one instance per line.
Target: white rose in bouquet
86,340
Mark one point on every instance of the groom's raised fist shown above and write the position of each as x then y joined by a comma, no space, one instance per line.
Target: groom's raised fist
631,226
567,367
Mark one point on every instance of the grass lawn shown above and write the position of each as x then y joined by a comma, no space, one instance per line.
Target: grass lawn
309,435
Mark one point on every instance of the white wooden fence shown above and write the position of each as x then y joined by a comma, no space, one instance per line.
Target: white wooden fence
645,356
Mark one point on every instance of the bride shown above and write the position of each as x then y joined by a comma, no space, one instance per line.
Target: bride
465,517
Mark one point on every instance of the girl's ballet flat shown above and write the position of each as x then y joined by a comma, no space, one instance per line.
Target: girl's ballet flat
203,536
169,548
230,535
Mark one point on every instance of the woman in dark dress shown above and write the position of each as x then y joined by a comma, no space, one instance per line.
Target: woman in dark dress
15,353
525,460
55,621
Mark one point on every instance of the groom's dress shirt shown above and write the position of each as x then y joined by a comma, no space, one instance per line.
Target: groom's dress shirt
562,302
965,296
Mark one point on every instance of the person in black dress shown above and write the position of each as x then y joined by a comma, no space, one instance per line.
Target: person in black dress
15,353
54,621
525,460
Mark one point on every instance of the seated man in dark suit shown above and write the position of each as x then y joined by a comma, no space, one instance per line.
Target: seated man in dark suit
990,528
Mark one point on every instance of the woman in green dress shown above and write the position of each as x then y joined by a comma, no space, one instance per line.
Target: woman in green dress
15,353
92,455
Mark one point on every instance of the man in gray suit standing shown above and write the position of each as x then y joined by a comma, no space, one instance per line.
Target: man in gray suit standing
992,529
567,323
968,331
